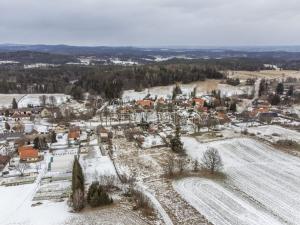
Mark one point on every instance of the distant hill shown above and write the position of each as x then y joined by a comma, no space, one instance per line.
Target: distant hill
64,53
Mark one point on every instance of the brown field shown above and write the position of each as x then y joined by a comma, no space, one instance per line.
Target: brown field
270,74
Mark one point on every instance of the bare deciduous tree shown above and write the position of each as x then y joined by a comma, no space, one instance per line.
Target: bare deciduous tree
21,167
181,163
196,165
43,100
170,167
211,160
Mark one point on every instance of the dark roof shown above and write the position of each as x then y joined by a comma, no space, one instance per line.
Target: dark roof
3,159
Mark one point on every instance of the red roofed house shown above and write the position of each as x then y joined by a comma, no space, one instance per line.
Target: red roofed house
199,102
28,153
74,133
145,103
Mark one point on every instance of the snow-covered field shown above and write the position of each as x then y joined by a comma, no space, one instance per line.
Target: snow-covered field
203,87
29,99
15,208
6,99
34,99
262,185
228,90
275,133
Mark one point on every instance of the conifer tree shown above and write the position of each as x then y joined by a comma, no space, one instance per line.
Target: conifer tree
176,144
77,186
14,104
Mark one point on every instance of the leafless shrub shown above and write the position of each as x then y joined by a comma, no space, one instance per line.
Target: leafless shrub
181,164
142,202
288,143
108,181
170,167
128,179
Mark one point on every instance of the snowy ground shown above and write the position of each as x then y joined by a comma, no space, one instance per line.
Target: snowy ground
29,99
274,133
34,99
95,164
203,87
6,99
261,187
229,90
147,165
16,201
15,207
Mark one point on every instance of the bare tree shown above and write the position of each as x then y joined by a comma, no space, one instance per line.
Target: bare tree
211,160
43,100
170,167
211,123
52,100
181,163
21,167
37,166
196,165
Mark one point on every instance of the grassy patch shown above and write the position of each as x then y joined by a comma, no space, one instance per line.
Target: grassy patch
289,144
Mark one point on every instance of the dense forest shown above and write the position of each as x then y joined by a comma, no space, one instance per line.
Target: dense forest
110,80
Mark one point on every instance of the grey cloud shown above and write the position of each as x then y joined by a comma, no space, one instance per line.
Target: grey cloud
150,22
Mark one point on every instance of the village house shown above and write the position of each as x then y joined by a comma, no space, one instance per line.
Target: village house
199,102
28,153
145,103
45,113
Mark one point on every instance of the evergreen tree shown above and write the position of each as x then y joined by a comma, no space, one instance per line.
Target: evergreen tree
93,188
176,91
53,137
290,92
6,113
97,195
7,126
275,100
77,186
176,144
280,88
95,199
232,107
36,143
14,104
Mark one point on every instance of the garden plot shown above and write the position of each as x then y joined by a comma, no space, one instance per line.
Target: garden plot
274,133
95,164
152,141
262,185
16,209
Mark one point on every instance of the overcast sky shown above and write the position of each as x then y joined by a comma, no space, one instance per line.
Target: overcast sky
150,22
